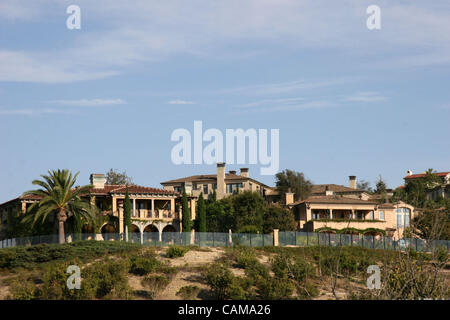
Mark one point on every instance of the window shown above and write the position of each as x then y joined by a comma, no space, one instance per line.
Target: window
371,216
178,189
316,215
215,186
403,217
381,215
205,189
234,187
194,186
399,220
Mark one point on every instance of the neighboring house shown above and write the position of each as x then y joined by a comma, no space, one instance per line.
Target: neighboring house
13,207
224,184
442,190
152,210
332,208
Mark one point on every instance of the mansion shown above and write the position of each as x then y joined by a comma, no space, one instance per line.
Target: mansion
329,208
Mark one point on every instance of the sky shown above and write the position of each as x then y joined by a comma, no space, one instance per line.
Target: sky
346,100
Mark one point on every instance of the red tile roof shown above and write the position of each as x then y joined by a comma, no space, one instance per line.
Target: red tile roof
334,199
421,175
108,189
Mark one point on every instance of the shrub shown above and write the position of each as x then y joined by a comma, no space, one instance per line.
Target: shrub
155,283
188,292
176,251
141,265
275,289
23,290
225,285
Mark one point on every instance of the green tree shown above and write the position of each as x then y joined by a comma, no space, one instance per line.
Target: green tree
127,212
115,177
380,186
59,199
364,185
220,215
186,221
295,182
416,191
248,210
276,217
201,213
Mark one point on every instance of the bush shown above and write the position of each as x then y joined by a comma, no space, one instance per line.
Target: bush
225,285
176,251
29,257
23,290
188,292
141,265
155,284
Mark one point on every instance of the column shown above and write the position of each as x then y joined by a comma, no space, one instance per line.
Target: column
275,237
331,213
308,214
172,205
153,208
134,207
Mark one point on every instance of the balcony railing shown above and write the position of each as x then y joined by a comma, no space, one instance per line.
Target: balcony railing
156,214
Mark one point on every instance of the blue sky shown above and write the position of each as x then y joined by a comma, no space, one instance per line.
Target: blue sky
347,100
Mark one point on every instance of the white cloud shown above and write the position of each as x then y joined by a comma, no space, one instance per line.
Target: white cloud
180,102
366,97
32,112
418,33
89,102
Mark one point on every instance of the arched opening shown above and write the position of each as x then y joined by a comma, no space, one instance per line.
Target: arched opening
135,235
108,232
151,233
169,234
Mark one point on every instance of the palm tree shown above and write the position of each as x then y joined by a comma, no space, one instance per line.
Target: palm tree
60,199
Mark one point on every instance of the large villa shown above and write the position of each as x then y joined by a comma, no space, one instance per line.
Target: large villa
329,208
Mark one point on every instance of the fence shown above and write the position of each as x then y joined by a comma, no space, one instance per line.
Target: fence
216,239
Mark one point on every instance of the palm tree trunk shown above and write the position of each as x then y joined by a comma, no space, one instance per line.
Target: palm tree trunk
62,217
62,236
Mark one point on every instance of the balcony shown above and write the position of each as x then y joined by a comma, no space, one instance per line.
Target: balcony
158,214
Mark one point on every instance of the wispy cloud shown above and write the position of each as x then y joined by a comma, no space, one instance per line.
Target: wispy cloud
271,102
180,102
366,97
32,112
89,102
280,106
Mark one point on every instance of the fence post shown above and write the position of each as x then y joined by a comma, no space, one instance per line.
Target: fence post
262,239
329,239
351,239
384,242
373,242
250,239
362,240
340,239
230,239
275,237
307,239
416,245
318,239
213,240
295,235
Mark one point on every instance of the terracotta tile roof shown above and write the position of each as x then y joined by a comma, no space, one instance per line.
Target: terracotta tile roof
421,175
143,190
321,188
212,178
108,189
334,199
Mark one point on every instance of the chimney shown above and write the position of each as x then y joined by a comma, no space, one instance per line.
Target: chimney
221,188
352,182
98,180
232,172
289,197
244,172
